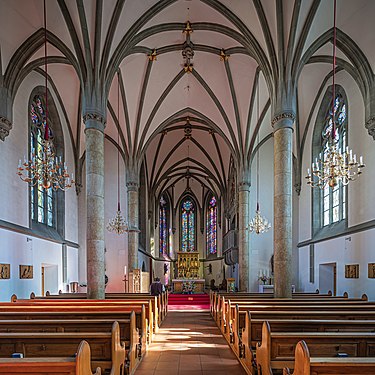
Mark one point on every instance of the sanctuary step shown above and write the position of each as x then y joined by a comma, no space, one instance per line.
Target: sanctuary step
195,301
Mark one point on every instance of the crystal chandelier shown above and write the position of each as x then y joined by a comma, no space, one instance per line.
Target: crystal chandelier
118,224
336,165
44,168
258,223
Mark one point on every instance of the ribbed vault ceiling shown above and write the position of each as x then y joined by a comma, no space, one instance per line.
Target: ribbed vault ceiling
235,43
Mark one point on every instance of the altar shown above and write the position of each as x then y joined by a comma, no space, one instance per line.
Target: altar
188,285
188,281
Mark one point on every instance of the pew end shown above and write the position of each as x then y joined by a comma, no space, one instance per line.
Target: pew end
263,351
302,360
83,360
118,350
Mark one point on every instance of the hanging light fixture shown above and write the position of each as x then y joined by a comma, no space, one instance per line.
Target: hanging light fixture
258,223
334,165
118,224
44,168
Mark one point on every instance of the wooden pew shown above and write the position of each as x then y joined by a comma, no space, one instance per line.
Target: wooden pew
128,331
215,296
107,351
162,300
145,325
219,301
80,365
276,350
150,303
305,365
87,314
241,342
228,313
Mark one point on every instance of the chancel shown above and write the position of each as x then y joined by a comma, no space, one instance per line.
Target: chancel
139,140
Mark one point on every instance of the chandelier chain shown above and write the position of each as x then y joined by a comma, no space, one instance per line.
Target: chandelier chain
258,223
118,224
335,165
44,168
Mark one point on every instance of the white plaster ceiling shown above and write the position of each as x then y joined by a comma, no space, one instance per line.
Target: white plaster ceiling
20,19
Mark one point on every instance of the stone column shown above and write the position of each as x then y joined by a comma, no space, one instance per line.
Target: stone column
6,104
243,235
133,240
94,131
282,238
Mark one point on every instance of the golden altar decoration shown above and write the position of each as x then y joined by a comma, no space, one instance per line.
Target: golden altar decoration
188,265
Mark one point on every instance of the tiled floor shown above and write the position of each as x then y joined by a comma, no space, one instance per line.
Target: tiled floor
189,343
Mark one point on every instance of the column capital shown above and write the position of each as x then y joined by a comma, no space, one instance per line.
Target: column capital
284,119
370,126
132,185
94,120
5,127
244,185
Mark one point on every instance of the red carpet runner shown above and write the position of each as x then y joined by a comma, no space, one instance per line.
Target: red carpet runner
188,302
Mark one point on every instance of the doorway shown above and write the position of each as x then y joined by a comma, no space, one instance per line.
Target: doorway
328,278
50,278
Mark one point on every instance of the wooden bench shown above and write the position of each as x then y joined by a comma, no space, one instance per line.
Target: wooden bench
86,316
150,304
221,303
241,342
215,296
80,365
305,365
143,310
161,300
128,332
276,350
107,352
230,314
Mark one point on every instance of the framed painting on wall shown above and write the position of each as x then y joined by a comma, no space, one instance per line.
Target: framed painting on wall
371,270
26,271
4,271
351,271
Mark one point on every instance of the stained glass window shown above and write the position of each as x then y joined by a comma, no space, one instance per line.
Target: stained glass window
42,201
333,202
163,227
211,227
187,225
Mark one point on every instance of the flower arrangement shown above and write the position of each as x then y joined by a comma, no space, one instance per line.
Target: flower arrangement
188,287
263,278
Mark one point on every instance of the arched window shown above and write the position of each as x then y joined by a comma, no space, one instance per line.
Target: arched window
211,226
329,204
163,226
188,225
42,200
47,207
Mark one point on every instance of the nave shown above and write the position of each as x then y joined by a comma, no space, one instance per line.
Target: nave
189,343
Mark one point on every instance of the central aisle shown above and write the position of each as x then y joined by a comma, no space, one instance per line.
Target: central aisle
189,343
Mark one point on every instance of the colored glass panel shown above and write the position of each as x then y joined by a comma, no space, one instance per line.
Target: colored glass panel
163,228
211,227
187,225
333,200
42,201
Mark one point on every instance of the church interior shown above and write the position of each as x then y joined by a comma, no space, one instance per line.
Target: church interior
214,146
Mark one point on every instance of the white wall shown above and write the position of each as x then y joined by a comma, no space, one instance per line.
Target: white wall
261,245
14,208
26,250
355,248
